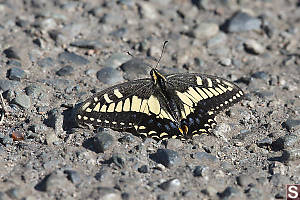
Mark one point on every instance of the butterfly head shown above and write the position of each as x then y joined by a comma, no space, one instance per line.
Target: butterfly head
157,78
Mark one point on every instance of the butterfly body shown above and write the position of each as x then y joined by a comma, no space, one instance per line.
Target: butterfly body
172,106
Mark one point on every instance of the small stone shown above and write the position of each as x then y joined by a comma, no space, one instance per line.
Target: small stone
117,59
244,180
118,160
205,30
57,36
261,75
264,142
210,191
6,140
103,141
16,74
134,68
14,63
46,62
147,10
66,70
291,124
217,40
204,157
73,176
225,61
23,100
143,169
72,58
105,193
174,143
17,193
17,136
109,75
167,157
290,155
277,168
56,120
252,46
231,193
241,22
171,185
120,32
87,44
51,138
201,171
33,91
6,85
11,52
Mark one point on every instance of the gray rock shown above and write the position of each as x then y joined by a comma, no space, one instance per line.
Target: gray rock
244,180
12,52
134,68
231,193
143,169
205,30
66,70
204,157
118,160
261,75
201,171
225,61
57,36
116,59
55,120
218,39
6,140
147,10
14,63
103,141
33,90
16,74
8,85
167,157
23,100
241,22
46,62
72,58
120,32
290,155
73,176
171,185
252,46
51,138
291,124
105,193
87,44
109,75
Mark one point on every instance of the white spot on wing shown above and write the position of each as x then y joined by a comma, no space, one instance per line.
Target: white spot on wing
154,105
118,93
107,99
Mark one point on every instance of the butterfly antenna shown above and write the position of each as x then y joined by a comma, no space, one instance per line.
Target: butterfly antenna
162,52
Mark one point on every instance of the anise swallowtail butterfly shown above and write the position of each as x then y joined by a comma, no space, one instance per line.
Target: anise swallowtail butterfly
179,105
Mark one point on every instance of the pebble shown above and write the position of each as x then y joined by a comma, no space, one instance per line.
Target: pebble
46,62
18,193
147,10
225,61
73,176
109,75
51,138
277,168
143,169
201,171
261,75
210,191
16,74
241,22
290,155
103,141
58,37
167,157
6,140
217,40
11,52
252,46
205,31
279,180
267,141
14,63
54,182
205,157
244,180
171,185
105,193
6,85
174,143
33,90
87,44
23,100
119,33
231,193
134,68
116,59
56,120
290,124
118,160
69,57
66,70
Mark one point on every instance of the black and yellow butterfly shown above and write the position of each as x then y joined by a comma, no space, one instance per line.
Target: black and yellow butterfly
172,106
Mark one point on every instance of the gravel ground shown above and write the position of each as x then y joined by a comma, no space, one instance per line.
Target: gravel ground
55,54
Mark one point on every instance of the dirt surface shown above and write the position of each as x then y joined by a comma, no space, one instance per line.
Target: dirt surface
55,54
